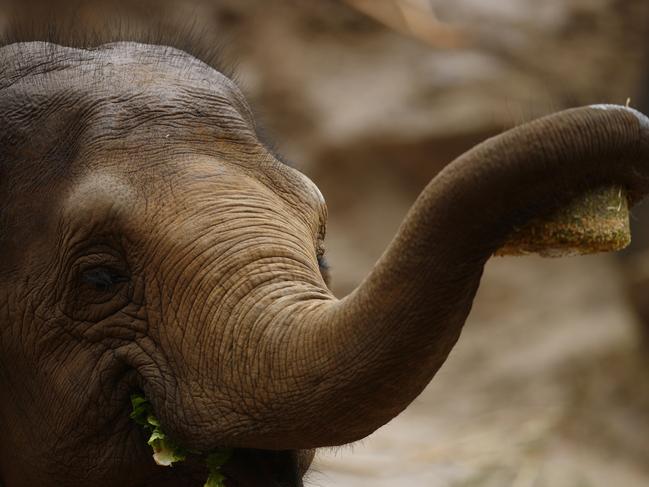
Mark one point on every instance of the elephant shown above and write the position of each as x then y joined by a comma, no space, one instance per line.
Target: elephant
151,242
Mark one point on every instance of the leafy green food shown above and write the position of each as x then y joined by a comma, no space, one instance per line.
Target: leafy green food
166,452
214,463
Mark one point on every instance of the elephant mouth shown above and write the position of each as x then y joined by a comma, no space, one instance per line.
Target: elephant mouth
263,468
246,468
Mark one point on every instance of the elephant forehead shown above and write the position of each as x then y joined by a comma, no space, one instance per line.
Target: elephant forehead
122,127
65,101
100,192
110,66
202,196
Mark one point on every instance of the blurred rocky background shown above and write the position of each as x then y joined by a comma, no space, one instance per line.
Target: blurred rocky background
549,384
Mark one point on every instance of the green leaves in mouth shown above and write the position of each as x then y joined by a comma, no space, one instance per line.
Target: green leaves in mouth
166,452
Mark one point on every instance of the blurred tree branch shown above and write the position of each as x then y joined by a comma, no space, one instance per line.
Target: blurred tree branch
414,18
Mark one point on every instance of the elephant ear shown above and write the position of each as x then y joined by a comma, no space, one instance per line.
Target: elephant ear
415,18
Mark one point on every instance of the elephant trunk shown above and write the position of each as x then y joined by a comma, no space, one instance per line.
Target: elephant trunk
344,368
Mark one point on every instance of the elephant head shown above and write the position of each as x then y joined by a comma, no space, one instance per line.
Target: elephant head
149,241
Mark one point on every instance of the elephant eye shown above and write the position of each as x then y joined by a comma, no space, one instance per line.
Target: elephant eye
322,263
324,269
103,279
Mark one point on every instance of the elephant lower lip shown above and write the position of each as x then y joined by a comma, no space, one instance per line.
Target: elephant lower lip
262,468
246,468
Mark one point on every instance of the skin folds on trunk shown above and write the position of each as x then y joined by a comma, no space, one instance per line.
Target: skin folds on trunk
347,367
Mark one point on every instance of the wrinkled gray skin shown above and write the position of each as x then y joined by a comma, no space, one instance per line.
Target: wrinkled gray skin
150,242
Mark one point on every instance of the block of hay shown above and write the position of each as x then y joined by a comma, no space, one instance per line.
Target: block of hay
596,222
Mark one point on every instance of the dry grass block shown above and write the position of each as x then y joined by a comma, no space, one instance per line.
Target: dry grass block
597,222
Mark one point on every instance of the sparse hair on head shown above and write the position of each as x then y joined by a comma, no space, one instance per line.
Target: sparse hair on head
67,27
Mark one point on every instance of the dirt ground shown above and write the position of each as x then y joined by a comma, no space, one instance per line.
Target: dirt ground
548,386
